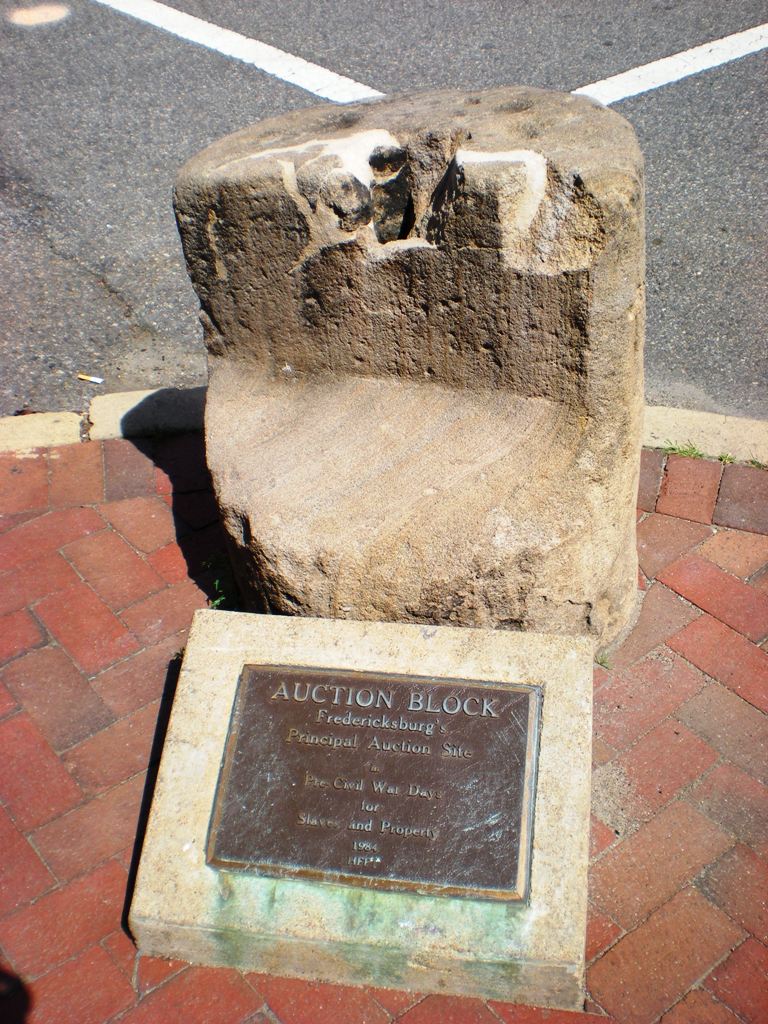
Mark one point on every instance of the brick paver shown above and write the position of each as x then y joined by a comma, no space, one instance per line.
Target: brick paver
630,703
601,933
661,764
64,922
123,952
129,470
107,548
146,523
734,728
164,613
742,554
18,633
141,678
93,831
662,614
115,753
152,971
170,563
41,578
663,539
649,969
76,475
180,464
395,1002
198,995
43,534
528,1015
651,470
448,1010
303,1002
743,499
86,990
57,696
23,483
23,876
600,837
113,569
741,981
724,596
738,882
735,801
727,656
8,703
10,522
627,884
700,1007
86,628
689,488
34,785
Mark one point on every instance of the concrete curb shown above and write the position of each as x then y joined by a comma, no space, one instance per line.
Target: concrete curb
146,413
175,410
712,433
39,430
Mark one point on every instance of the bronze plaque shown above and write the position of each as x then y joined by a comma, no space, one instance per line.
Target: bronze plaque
386,781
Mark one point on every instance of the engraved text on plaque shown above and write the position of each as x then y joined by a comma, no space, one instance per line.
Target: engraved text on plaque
385,781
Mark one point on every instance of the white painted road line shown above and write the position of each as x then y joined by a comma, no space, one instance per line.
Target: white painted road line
267,58
330,86
679,65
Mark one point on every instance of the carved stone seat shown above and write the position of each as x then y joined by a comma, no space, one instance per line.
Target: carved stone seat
424,319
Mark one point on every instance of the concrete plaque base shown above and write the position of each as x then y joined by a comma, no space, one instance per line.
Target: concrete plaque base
187,908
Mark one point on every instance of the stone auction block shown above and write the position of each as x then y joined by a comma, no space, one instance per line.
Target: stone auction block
401,806
424,319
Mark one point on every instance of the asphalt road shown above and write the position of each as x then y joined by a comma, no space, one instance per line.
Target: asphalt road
97,111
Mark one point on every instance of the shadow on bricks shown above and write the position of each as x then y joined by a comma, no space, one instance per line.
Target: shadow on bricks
183,481
163,716
15,1000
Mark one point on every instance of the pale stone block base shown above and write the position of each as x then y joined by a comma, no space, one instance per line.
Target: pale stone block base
532,952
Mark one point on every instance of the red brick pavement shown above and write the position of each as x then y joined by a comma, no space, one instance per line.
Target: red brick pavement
105,552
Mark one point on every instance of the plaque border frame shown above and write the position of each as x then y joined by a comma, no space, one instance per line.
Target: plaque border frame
270,870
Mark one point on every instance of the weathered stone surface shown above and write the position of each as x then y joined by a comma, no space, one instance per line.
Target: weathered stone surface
424,319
